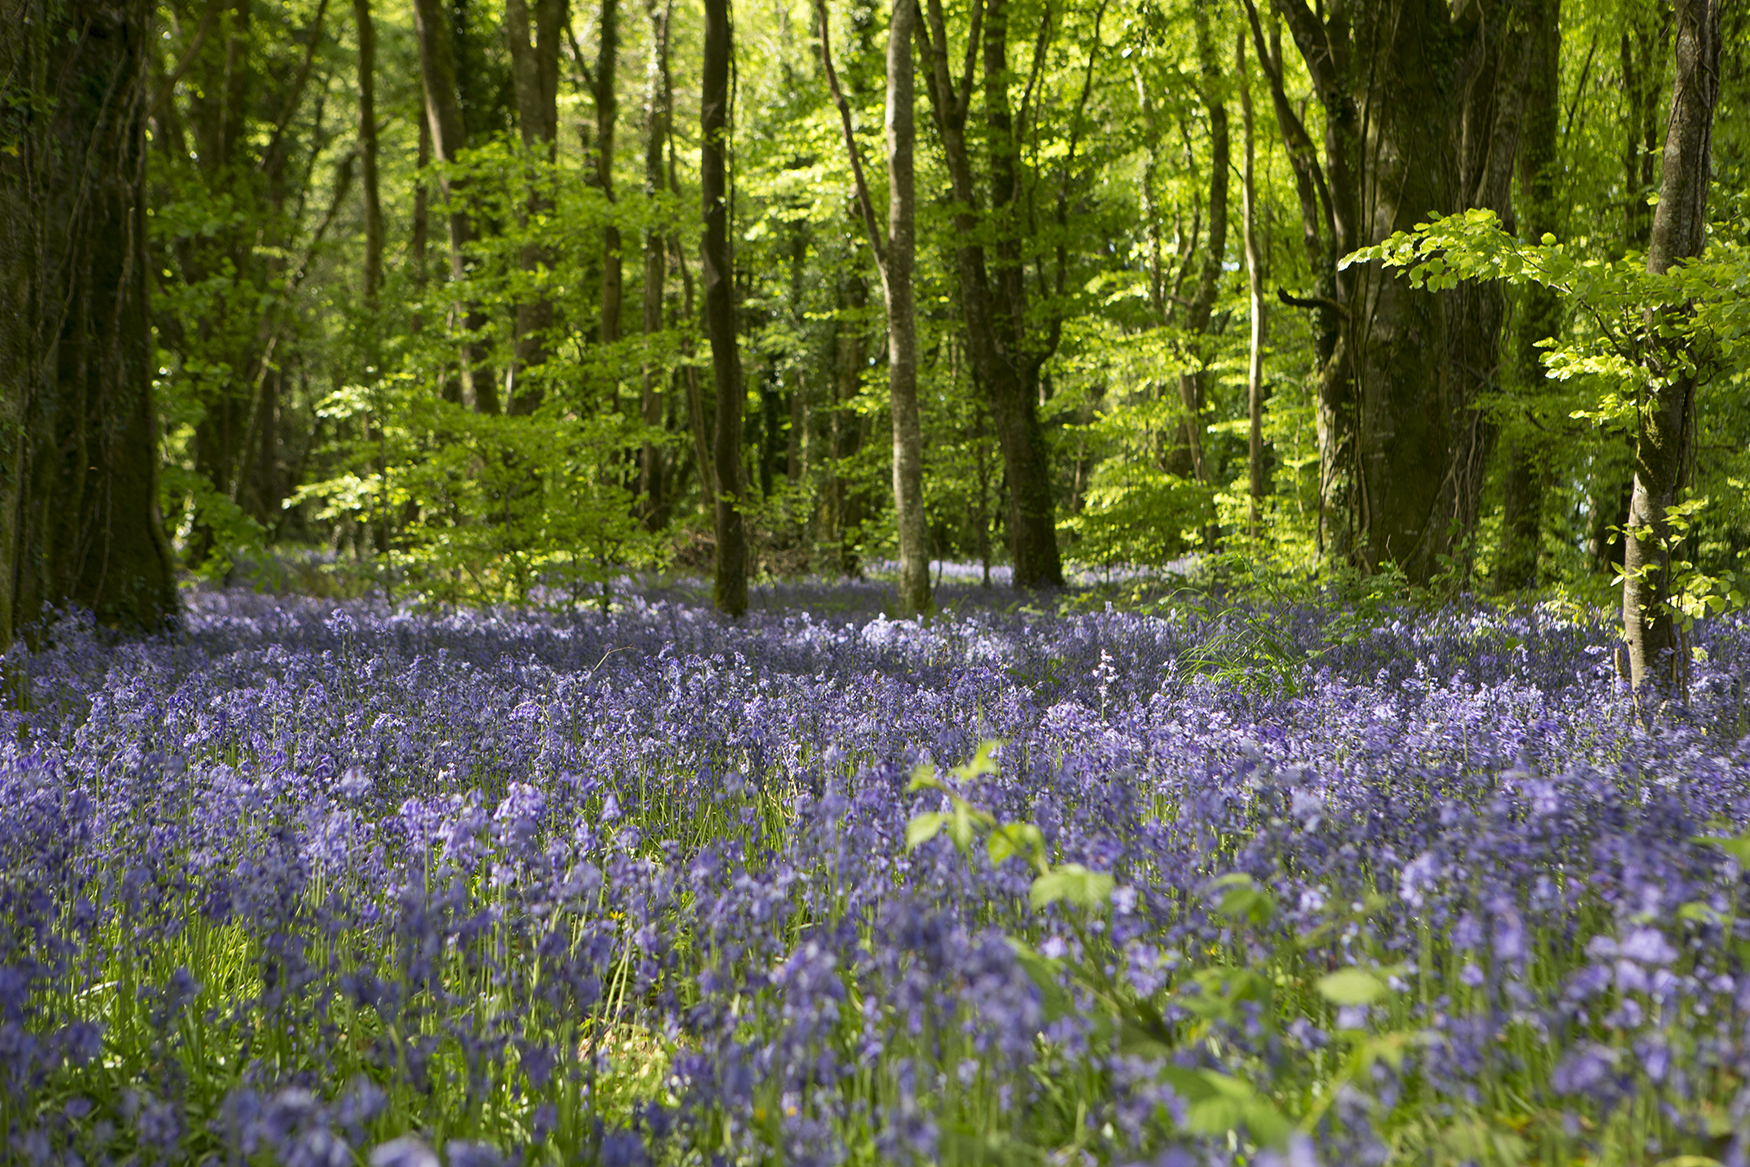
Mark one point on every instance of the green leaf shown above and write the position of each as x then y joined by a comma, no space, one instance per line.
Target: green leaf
923,777
1738,848
1352,986
1241,898
1072,882
982,763
922,829
1216,1103
1021,839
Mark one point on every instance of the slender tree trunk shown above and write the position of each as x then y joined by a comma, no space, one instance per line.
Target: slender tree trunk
607,112
1198,312
1526,470
373,207
79,516
849,504
902,335
421,228
895,259
716,256
1665,432
651,467
534,74
443,113
1255,288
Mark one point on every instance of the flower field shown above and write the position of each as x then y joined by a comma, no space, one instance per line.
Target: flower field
323,885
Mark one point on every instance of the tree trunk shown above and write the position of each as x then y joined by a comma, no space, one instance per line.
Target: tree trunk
607,110
1255,289
373,207
651,468
894,259
1421,114
78,481
1665,431
849,504
1202,303
993,296
1539,165
716,257
902,335
443,113
534,75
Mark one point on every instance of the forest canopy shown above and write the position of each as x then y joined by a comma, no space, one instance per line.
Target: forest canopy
489,301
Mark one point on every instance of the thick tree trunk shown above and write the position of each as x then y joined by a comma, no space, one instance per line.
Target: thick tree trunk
78,469
1665,431
993,296
731,582
449,136
1526,472
1421,114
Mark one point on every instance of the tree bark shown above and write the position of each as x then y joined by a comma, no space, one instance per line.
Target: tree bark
1006,352
607,112
1665,430
1526,472
657,109
894,260
534,75
449,136
78,469
715,253
373,206
1421,106
1202,303
1255,291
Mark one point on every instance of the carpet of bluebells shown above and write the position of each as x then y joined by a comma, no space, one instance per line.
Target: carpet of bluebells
322,884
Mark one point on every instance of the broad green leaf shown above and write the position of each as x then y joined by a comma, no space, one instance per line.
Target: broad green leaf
1738,848
923,777
982,763
922,829
1216,1103
1352,986
1240,898
1021,839
1072,882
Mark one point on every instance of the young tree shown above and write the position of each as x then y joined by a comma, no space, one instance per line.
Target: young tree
79,462
894,261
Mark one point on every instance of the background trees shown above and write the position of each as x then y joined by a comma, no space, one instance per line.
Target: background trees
531,414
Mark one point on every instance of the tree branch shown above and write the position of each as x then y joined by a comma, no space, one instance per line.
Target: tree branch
865,204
